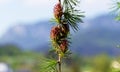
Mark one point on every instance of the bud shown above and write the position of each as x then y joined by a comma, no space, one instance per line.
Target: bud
58,34
64,46
55,32
58,11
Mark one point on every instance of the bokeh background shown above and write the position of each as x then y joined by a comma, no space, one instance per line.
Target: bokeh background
24,36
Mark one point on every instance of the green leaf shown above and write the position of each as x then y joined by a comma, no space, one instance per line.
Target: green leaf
117,18
72,16
116,9
118,4
48,65
118,46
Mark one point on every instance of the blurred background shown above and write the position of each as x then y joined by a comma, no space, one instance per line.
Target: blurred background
24,37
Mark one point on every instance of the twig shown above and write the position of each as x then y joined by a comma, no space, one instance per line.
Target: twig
59,62
59,1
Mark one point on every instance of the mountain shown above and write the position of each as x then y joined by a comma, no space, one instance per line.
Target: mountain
101,35
98,35
27,36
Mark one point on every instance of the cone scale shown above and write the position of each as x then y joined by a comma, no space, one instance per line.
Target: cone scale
58,11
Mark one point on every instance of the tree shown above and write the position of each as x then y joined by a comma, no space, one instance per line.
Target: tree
9,50
65,16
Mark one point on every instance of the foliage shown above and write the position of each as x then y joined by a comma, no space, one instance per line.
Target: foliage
9,50
34,62
48,65
116,9
71,15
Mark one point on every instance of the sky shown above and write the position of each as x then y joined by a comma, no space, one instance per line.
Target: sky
13,12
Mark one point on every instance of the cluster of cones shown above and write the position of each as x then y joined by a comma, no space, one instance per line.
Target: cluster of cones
59,32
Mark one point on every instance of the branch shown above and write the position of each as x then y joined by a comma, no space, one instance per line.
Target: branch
59,1
59,63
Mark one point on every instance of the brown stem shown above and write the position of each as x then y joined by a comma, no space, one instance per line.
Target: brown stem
59,63
59,56
59,1
61,5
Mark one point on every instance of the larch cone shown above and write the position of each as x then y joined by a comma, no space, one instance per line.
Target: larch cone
58,11
64,46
